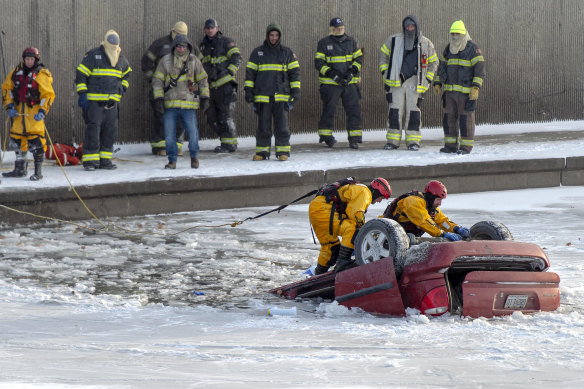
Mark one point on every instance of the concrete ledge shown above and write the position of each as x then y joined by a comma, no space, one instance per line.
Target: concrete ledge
208,193
574,172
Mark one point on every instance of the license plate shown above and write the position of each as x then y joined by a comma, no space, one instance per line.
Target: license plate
516,301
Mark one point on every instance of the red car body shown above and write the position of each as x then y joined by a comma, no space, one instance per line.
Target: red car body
480,278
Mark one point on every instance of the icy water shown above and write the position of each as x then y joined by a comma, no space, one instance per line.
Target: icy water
180,301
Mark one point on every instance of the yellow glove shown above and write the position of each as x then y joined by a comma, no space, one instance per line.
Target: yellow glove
437,89
474,93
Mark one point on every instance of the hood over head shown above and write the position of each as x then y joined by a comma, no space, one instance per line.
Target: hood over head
411,37
273,27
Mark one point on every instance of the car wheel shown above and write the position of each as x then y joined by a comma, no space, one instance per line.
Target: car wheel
490,230
381,238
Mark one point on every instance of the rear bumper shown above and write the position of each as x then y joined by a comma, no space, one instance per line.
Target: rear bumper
498,293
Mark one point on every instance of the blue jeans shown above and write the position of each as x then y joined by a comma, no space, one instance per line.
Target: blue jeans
189,122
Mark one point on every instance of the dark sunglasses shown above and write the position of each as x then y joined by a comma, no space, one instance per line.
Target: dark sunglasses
182,45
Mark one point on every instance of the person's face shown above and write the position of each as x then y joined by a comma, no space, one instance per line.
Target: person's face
211,31
378,200
273,36
181,48
29,62
339,30
455,34
410,27
437,202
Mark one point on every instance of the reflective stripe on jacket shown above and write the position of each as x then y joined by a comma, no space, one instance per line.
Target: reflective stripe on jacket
427,62
459,72
180,96
221,59
337,53
99,79
272,72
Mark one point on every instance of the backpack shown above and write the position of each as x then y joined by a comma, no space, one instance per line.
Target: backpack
388,213
331,193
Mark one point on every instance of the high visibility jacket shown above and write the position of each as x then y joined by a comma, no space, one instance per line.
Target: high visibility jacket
339,53
158,49
31,93
184,95
413,209
459,72
221,59
427,62
99,79
272,72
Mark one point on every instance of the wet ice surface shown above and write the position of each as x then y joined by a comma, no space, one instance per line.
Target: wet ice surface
81,308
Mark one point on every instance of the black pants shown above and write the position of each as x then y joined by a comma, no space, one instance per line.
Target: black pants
350,96
157,141
266,113
100,133
220,114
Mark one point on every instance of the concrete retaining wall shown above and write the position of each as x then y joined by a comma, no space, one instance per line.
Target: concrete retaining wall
193,194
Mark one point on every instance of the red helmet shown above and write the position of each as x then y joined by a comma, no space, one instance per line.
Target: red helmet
382,186
31,52
436,188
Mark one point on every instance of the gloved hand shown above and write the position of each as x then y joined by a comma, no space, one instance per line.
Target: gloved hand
248,95
336,77
343,81
419,102
83,102
451,236
464,232
204,103
388,96
437,89
40,115
474,93
159,106
290,104
11,111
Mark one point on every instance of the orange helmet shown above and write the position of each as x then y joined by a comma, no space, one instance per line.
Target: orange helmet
382,186
436,188
31,52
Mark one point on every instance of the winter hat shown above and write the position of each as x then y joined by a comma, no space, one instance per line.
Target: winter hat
179,28
111,45
273,27
458,28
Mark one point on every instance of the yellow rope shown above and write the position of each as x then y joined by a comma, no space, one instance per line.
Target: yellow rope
106,227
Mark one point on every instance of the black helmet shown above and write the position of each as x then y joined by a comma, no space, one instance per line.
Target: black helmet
31,52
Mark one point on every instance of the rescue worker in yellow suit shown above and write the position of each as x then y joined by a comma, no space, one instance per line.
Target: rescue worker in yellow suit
339,210
418,212
28,95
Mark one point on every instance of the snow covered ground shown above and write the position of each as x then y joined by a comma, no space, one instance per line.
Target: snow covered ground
82,309
494,142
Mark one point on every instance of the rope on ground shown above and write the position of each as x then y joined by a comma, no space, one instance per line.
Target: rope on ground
105,226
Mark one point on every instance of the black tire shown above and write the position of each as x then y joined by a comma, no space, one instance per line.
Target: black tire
381,238
490,230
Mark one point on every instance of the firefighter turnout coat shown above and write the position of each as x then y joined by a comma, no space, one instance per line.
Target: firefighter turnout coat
99,79
221,59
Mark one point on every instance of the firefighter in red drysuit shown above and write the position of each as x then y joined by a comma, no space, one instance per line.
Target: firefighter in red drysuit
67,155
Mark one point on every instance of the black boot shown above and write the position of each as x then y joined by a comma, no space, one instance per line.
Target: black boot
344,261
20,167
38,167
320,269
